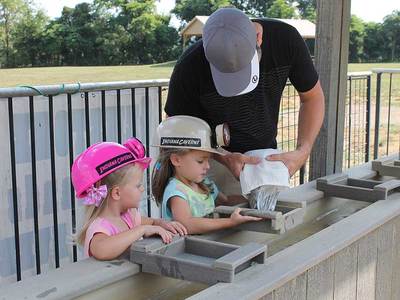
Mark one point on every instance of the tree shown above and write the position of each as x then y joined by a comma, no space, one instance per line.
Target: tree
151,39
255,8
307,9
356,39
391,30
373,42
10,14
27,36
281,9
186,10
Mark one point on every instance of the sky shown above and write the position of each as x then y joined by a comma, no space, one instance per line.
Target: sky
368,10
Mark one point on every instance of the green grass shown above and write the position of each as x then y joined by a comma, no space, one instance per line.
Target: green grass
58,75
369,67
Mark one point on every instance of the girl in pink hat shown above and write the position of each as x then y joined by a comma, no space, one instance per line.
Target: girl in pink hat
107,177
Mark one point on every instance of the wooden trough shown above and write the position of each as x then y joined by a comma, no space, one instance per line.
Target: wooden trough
343,249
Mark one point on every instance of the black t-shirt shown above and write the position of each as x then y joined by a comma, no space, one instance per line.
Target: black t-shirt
252,117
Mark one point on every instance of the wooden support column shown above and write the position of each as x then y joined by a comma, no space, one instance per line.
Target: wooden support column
331,58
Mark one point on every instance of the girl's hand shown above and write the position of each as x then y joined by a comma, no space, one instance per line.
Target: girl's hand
174,227
237,218
150,230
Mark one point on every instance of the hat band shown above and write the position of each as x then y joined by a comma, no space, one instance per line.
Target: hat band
114,163
180,141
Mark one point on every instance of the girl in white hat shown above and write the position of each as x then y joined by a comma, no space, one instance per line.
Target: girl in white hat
180,184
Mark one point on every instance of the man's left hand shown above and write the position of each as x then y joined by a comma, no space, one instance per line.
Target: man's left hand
293,160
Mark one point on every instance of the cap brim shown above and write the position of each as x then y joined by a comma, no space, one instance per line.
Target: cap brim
238,83
219,151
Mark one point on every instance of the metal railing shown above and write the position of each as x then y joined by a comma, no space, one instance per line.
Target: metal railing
43,133
356,141
387,128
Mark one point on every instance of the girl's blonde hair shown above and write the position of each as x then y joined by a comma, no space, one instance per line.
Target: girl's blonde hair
163,170
117,178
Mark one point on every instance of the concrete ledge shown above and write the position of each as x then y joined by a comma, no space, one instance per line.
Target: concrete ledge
70,281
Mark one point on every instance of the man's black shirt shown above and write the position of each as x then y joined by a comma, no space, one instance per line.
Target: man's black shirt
252,117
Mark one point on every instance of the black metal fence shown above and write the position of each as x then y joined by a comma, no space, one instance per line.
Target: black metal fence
357,119
356,128
387,112
67,123
82,119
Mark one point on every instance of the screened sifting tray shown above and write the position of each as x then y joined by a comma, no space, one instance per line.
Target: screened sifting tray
286,216
387,167
195,259
339,185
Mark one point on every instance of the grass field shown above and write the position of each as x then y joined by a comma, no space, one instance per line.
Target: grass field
58,75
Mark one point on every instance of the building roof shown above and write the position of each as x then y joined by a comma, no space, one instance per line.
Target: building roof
304,27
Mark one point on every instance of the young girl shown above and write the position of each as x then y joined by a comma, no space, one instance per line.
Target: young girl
179,181
107,177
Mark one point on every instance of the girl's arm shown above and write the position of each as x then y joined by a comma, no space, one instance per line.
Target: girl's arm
230,200
174,227
147,221
104,247
195,225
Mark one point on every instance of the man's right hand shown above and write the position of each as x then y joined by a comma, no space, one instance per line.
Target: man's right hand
235,162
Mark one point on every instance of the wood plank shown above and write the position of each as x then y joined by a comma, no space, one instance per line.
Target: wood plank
343,64
294,290
345,280
331,51
395,293
384,262
366,268
320,280
270,296
293,261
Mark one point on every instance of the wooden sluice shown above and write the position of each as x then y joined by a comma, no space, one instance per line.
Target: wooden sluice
344,243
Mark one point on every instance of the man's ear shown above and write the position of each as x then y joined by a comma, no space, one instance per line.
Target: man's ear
175,160
259,33
115,193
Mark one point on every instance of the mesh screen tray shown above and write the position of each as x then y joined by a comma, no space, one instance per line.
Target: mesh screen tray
287,215
195,259
387,167
339,185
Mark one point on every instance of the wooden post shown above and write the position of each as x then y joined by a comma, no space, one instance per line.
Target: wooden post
331,58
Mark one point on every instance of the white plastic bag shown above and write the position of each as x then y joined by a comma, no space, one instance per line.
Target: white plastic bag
262,183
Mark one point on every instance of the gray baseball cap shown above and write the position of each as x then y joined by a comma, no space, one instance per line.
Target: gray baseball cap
229,41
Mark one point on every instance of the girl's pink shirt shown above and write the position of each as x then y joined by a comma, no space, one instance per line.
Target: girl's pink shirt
132,218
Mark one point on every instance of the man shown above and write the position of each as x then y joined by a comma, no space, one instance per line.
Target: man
236,74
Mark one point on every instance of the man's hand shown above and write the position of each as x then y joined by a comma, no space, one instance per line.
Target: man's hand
235,162
293,160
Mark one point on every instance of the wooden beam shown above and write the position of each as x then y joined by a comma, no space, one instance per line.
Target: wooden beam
331,58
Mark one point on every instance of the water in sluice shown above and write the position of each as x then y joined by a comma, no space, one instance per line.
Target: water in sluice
319,215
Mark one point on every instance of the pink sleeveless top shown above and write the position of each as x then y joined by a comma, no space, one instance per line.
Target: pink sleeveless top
132,218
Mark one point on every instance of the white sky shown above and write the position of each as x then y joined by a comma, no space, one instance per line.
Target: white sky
368,10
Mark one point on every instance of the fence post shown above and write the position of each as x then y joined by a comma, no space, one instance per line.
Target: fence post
368,119
377,113
331,58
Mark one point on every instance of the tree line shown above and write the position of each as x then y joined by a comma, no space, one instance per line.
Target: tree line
116,32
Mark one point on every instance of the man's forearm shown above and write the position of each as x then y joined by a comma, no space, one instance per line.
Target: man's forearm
311,116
